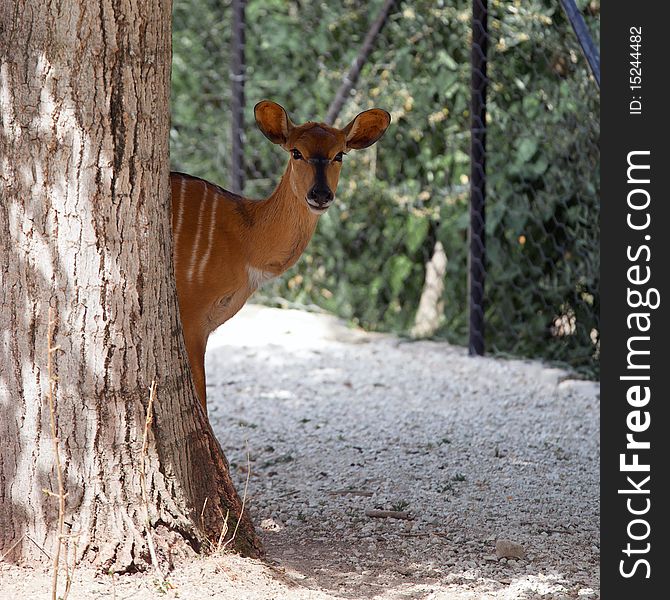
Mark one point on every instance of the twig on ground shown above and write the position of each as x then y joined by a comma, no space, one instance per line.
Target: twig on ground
565,531
389,514
39,547
288,494
543,529
364,493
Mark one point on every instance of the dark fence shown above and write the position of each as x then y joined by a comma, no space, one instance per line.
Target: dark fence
542,285
394,252
477,282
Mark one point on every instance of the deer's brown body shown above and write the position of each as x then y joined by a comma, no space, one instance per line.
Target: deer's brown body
227,246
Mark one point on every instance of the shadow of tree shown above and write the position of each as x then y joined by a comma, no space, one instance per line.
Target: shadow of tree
476,450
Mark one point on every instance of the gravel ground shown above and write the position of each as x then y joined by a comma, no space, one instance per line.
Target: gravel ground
476,450
481,455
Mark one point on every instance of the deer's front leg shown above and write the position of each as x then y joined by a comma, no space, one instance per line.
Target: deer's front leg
195,348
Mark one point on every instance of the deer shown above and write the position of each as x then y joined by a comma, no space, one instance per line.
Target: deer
227,246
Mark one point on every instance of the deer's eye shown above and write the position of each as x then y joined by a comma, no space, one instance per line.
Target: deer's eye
338,157
295,153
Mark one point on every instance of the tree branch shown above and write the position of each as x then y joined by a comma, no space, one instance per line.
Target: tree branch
351,77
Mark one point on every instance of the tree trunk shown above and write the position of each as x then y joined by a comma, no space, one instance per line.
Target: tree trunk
430,313
85,232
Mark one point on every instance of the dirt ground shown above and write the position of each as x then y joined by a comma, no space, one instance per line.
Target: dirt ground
492,464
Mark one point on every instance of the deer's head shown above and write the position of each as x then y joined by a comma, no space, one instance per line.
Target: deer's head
316,149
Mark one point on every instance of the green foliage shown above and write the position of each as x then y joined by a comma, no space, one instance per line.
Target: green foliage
543,231
367,260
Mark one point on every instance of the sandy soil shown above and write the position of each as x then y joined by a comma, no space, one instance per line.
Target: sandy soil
334,423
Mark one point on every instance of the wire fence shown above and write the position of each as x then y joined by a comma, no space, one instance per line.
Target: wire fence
393,253
544,238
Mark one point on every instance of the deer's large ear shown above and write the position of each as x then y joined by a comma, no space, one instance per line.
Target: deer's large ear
367,128
273,121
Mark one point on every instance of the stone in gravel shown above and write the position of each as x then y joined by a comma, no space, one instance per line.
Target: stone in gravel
509,549
271,525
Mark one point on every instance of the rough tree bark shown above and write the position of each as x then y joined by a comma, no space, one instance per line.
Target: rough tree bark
85,231
430,313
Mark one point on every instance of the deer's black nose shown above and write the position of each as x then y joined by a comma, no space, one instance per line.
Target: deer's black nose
320,195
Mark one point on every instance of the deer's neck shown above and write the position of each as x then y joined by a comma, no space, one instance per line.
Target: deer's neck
281,229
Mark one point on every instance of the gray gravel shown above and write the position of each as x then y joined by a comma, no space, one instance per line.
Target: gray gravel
478,453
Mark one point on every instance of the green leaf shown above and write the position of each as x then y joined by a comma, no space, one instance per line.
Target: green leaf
400,268
416,232
526,148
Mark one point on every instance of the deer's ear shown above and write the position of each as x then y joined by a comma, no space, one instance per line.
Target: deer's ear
367,128
273,121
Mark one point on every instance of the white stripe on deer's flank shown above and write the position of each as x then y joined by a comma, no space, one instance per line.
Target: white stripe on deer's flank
198,233
210,238
180,218
257,277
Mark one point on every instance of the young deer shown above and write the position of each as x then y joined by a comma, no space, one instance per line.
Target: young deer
227,246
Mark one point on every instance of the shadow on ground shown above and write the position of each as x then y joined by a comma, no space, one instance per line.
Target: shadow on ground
331,423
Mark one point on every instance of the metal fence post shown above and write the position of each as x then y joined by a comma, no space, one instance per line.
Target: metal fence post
477,258
237,97
583,37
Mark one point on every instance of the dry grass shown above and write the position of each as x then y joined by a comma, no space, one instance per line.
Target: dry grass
220,547
67,539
